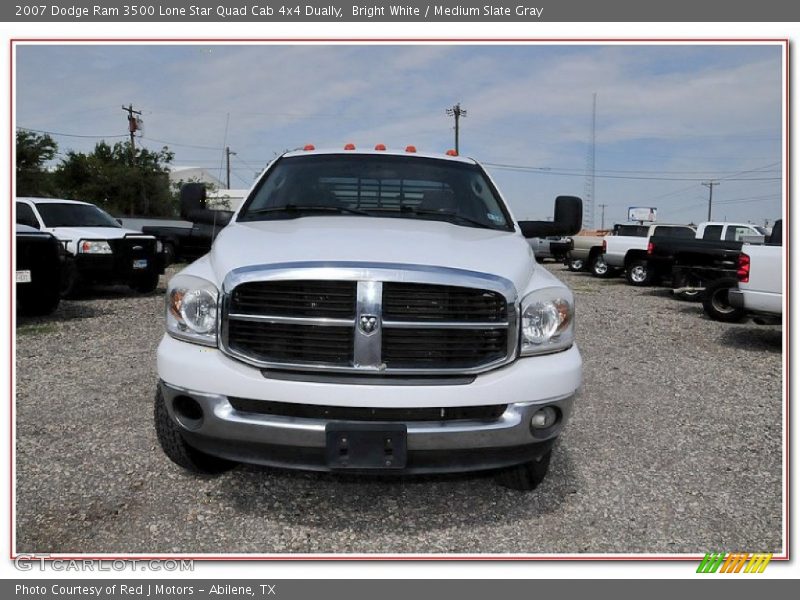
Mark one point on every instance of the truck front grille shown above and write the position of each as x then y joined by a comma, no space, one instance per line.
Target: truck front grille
292,343
325,299
437,348
366,325
418,302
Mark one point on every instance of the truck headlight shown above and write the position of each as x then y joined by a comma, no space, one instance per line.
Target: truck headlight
90,247
192,310
547,323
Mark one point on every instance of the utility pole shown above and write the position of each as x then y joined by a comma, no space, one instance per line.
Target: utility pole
456,112
133,127
228,165
602,216
710,185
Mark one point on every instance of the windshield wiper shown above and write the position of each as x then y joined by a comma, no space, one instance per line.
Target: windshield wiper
300,208
446,215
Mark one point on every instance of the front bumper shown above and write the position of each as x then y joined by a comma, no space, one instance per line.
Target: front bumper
211,379
300,443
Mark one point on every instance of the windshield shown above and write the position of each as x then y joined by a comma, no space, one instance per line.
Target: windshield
55,214
378,186
631,230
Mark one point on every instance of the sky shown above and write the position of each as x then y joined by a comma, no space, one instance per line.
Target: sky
668,117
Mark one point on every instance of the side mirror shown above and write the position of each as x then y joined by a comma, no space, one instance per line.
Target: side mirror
193,201
776,239
194,207
567,220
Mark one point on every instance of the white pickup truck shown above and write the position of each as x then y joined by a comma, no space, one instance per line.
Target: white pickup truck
629,252
370,311
98,248
760,275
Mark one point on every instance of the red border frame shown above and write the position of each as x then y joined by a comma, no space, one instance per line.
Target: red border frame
409,557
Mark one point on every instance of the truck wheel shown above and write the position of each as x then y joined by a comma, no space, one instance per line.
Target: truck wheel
527,476
575,264
70,280
639,273
176,448
716,304
38,302
169,253
599,267
145,283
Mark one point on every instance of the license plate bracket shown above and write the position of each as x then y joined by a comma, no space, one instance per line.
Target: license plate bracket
371,446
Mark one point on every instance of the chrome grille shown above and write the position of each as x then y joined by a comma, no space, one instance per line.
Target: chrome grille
418,302
368,318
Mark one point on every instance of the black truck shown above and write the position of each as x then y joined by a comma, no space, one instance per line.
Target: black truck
693,263
40,257
191,237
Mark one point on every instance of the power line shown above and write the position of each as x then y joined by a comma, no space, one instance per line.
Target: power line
549,171
181,145
74,135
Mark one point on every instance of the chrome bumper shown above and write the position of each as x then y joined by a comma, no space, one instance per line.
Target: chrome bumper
433,446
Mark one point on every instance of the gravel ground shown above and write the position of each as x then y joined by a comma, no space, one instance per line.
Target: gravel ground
675,446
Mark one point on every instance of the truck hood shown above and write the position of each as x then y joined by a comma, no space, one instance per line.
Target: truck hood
373,240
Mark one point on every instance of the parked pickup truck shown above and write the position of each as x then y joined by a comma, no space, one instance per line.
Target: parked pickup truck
183,240
587,250
757,289
694,263
370,312
38,271
555,247
98,248
629,252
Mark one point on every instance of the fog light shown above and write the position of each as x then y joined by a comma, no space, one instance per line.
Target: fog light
544,418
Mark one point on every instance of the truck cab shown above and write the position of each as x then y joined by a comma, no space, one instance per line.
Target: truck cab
731,232
370,311
629,252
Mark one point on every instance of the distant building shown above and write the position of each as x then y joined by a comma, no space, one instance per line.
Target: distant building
218,196
198,174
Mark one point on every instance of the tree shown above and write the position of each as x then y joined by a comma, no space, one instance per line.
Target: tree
33,151
119,182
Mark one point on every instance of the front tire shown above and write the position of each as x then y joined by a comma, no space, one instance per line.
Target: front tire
716,304
527,476
639,273
598,266
176,448
575,264
170,254
70,280
145,283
